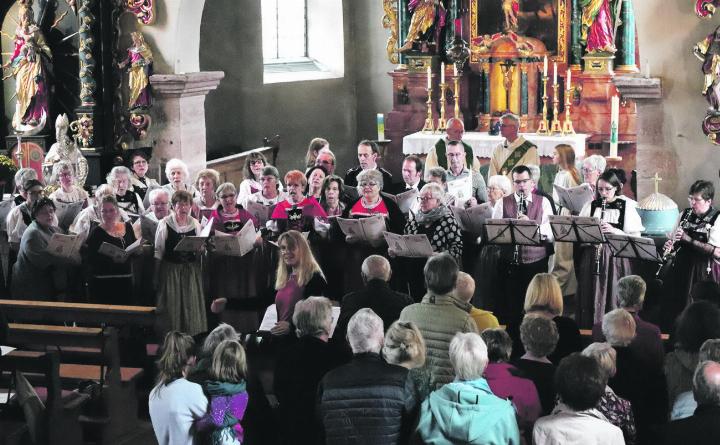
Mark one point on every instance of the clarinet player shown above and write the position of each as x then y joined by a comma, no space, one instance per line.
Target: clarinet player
694,245
519,264
599,271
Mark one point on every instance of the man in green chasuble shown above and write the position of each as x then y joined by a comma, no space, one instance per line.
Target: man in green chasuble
436,156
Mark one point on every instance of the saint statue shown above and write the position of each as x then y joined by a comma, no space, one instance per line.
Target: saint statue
65,149
708,51
139,58
29,64
424,15
597,31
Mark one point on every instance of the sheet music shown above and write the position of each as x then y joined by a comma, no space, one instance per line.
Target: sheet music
116,253
4,350
5,208
270,319
261,212
406,199
472,219
66,212
236,245
413,246
460,189
66,246
574,198
367,229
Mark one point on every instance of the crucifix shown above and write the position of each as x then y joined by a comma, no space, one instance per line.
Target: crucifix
508,69
656,179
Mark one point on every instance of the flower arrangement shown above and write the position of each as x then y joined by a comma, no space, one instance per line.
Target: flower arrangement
7,170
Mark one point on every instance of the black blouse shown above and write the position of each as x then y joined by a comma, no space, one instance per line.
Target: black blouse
102,264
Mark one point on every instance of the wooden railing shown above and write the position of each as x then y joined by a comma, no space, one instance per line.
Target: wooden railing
231,167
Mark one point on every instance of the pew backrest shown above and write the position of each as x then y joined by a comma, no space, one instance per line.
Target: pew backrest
231,167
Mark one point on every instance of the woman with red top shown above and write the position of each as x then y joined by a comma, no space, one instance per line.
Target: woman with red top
296,212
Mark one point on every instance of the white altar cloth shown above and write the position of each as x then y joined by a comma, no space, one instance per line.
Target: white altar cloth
483,144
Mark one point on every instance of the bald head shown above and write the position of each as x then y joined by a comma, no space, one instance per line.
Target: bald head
706,383
376,267
455,129
464,287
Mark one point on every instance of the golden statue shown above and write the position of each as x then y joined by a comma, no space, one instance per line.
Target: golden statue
424,13
140,58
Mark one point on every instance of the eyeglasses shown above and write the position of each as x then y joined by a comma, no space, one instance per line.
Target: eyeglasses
140,162
368,183
521,181
425,198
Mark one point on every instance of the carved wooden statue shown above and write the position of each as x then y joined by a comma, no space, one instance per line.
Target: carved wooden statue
65,149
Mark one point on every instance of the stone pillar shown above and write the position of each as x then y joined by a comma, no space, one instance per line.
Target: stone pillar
178,113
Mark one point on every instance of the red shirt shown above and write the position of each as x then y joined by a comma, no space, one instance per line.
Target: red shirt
360,210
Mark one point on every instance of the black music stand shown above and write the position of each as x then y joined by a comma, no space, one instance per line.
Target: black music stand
633,247
576,229
518,232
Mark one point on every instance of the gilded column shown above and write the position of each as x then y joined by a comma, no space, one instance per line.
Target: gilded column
88,85
625,40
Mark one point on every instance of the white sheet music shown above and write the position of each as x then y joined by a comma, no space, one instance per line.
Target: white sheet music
116,253
66,246
236,245
270,319
406,199
574,198
461,189
367,229
472,219
260,212
413,246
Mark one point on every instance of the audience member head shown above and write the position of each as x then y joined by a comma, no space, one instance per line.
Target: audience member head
498,187
544,295
229,363
367,152
270,181
441,274
62,174
412,168
579,382
509,126
370,182
404,345
227,195
455,129
539,335
499,345
176,172
606,357
365,332
33,191
160,200
313,317
436,175
223,331
176,356
119,179
206,182
43,212
375,267
706,291
618,327
254,164
706,383
592,168
697,323
295,182
468,356
523,180
22,175
631,293
431,197
316,144
710,350
465,287
295,256
564,157
326,160
608,185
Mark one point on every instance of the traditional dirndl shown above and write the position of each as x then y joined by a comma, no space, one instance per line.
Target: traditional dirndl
181,298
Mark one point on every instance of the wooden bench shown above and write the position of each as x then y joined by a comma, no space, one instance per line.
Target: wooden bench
89,354
231,167
58,422
83,313
586,337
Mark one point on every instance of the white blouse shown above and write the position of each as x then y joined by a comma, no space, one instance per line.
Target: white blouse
74,195
631,226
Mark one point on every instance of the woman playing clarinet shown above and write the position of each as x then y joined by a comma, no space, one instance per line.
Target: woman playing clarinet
599,271
695,246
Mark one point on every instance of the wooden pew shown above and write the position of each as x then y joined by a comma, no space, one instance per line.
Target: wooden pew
231,167
83,313
88,353
586,337
58,423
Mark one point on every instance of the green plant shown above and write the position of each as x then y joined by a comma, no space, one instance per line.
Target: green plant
7,169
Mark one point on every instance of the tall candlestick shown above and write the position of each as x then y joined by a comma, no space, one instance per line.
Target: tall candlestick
568,81
545,66
454,69
429,126
19,151
554,73
647,69
442,73
614,123
429,78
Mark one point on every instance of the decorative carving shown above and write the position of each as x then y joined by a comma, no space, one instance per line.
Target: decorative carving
706,8
425,15
88,86
390,21
139,124
84,130
65,149
708,51
139,59
144,10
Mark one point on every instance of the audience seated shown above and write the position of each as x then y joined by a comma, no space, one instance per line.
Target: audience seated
580,384
647,343
300,368
367,400
702,427
617,410
176,403
539,337
505,383
438,317
404,346
465,410
464,291
685,403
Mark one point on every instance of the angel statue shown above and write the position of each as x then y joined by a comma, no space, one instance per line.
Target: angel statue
424,14
708,51
140,58
598,31
510,10
65,149
29,66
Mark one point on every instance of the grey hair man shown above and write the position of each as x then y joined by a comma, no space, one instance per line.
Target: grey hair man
514,150
618,326
592,167
703,426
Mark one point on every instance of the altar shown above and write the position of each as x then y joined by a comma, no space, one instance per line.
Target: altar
484,143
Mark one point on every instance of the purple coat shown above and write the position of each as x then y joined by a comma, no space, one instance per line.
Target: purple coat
647,344
520,391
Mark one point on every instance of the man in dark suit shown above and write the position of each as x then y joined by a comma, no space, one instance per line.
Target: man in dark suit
326,160
368,153
412,173
702,427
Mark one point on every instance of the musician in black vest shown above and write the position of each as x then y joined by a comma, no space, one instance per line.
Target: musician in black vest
516,271
368,153
436,157
696,245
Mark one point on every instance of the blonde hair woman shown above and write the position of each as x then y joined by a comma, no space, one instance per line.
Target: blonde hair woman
567,176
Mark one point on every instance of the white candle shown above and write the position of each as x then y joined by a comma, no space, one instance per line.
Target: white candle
614,123
442,73
545,66
554,73
429,78
647,69
569,82
454,70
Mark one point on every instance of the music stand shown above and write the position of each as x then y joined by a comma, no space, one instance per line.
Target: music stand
633,247
576,229
524,232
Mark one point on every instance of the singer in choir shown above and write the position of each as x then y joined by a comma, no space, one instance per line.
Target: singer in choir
177,174
598,272
146,227
252,170
91,216
139,164
271,190
592,167
519,264
20,217
67,192
331,245
206,201
567,176
296,212
127,199
695,245
315,177
457,171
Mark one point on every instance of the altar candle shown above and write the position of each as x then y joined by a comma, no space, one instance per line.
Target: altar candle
568,81
647,69
455,70
614,122
380,127
442,73
554,73
545,66
429,78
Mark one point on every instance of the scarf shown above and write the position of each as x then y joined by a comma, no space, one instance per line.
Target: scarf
431,217
224,389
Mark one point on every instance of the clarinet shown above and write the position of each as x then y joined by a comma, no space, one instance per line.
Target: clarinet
669,254
522,209
598,249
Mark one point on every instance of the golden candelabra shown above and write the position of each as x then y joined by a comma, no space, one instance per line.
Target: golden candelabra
429,126
543,127
456,81
442,123
555,127
567,127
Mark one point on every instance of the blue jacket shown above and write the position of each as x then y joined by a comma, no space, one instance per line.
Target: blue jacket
467,412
